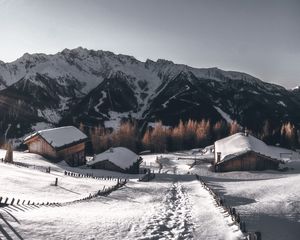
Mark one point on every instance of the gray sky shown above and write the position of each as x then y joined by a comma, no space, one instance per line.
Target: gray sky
260,37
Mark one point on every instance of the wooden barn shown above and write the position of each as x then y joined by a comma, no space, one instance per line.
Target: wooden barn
118,159
64,143
244,152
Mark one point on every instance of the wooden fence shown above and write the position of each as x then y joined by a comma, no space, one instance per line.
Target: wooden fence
66,173
235,216
90,175
25,165
4,202
103,192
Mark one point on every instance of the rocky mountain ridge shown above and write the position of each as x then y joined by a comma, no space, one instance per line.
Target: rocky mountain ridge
102,88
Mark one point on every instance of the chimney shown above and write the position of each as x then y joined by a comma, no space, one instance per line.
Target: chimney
218,157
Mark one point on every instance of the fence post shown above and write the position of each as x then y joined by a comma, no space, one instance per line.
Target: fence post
258,235
238,219
56,180
241,226
12,201
233,211
244,226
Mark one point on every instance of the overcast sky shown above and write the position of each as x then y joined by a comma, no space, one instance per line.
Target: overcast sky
260,37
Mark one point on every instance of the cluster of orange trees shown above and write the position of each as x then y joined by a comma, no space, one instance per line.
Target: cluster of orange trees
186,135
160,138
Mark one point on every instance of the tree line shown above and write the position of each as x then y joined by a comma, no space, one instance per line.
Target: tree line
160,138
287,135
186,135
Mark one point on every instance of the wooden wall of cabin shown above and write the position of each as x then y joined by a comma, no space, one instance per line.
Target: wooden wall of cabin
248,162
265,163
74,155
107,165
40,146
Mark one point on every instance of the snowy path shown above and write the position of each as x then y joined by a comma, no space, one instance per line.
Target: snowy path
186,211
173,218
171,207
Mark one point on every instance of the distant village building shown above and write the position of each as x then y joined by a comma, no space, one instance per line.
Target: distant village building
118,159
244,152
64,143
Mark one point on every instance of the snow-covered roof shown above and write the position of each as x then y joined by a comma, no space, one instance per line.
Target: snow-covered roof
59,137
239,143
120,156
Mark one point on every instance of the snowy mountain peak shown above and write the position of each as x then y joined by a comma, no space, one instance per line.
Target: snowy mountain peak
26,56
95,87
164,61
89,66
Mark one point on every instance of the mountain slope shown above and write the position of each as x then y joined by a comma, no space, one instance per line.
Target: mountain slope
101,88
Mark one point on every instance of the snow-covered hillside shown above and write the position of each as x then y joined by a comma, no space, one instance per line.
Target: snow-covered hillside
90,67
268,201
100,87
172,206
158,210
36,185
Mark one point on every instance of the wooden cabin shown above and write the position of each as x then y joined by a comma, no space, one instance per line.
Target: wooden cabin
64,143
117,159
244,152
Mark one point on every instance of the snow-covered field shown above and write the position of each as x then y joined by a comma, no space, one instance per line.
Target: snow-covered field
269,201
163,209
37,161
172,206
34,185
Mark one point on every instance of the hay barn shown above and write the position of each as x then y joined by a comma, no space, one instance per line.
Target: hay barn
244,152
64,143
118,159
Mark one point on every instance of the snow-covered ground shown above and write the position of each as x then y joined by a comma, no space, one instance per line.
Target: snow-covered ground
37,161
38,186
172,206
168,208
269,201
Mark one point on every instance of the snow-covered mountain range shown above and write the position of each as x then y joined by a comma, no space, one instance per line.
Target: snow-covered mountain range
101,88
